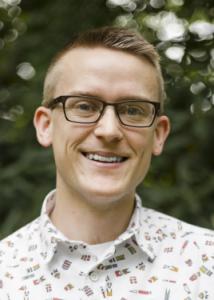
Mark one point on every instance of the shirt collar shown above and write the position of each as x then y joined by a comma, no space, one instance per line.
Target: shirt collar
146,231
50,236
139,230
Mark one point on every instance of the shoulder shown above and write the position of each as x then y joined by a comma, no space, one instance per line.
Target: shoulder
171,223
178,230
18,243
182,251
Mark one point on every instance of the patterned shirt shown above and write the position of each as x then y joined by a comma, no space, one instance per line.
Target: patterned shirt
157,258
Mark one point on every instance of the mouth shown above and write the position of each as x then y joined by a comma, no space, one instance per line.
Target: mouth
107,158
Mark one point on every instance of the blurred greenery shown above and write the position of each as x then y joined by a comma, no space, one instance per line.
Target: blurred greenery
181,181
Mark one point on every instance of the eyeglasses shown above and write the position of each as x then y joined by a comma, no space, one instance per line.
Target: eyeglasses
88,110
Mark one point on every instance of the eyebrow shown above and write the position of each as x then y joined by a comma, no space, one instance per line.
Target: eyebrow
123,98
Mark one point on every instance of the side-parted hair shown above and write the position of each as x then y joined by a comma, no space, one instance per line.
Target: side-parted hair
117,38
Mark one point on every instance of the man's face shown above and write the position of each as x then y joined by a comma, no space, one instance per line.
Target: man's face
111,76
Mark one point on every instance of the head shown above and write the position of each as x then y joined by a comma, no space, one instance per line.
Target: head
104,161
116,38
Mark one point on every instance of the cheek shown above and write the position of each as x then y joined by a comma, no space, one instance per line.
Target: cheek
67,139
143,163
141,142
142,145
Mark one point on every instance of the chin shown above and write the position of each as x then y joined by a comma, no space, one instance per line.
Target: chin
104,196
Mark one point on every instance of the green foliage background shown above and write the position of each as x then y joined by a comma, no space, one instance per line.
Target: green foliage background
181,181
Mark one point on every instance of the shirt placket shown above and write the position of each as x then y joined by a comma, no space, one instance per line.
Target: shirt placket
93,283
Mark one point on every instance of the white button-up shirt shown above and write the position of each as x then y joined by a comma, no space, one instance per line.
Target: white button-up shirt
157,258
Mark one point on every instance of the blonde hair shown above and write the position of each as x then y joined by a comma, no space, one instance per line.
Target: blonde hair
121,39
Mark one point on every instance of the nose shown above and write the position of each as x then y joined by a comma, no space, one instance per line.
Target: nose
108,127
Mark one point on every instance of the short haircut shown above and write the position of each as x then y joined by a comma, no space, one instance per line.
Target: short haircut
117,38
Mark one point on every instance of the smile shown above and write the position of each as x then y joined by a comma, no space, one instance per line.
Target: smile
104,158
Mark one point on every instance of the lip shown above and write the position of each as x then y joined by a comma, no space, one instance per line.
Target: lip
106,154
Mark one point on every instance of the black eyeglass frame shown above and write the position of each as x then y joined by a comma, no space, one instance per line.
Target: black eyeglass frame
62,99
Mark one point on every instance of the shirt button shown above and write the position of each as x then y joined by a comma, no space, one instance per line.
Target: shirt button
93,276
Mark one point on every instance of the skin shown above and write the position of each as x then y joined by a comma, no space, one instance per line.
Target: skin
94,201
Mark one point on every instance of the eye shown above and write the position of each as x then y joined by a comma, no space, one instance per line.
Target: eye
131,110
82,105
134,110
85,106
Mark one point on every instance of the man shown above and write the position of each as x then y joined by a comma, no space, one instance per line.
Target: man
102,114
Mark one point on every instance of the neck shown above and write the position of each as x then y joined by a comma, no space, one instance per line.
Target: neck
79,220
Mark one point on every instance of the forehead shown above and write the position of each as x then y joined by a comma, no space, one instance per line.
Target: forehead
106,71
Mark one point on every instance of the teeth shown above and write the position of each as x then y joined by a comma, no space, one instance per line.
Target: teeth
108,159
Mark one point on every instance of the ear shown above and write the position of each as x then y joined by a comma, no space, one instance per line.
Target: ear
43,126
161,133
